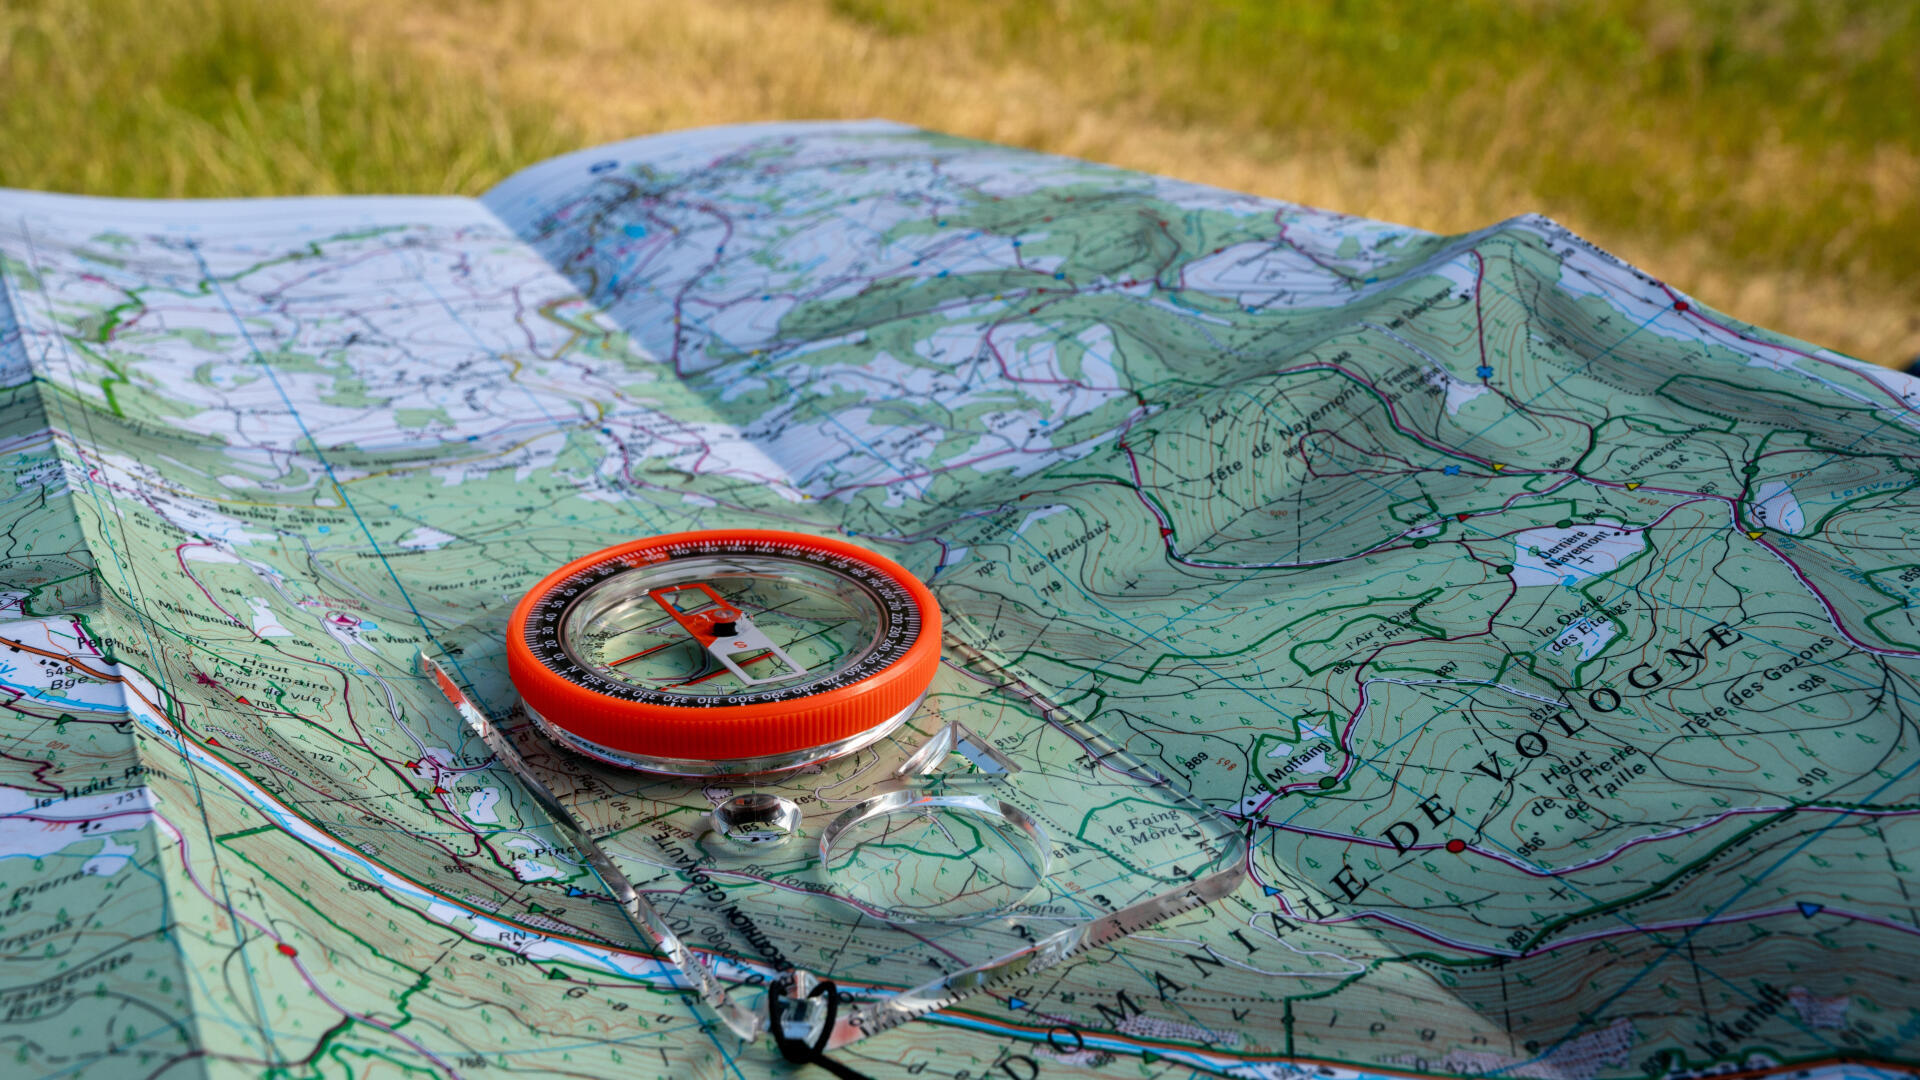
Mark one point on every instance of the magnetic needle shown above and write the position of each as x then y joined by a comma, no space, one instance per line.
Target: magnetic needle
724,652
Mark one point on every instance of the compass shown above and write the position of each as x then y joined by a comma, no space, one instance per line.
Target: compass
949,850
724,652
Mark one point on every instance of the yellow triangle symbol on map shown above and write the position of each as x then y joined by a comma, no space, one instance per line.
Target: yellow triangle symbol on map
1631,484
1497,468
1753,534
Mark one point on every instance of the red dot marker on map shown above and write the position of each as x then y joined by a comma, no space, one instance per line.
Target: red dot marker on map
1456,846
1679,305
287,950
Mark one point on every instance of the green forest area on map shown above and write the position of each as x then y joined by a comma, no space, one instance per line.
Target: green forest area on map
1552,641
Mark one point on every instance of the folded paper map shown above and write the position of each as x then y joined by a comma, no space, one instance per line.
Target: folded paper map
1553,640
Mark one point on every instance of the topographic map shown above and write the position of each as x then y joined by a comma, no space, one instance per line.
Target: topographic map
1553,641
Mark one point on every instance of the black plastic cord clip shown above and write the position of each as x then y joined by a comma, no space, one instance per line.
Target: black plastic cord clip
798,1012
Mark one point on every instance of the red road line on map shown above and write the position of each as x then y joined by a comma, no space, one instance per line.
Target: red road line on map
1693,312
1599,860
1733,507
1041,1033
71,662
1618,931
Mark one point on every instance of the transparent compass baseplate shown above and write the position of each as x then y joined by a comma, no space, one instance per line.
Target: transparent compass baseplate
984,835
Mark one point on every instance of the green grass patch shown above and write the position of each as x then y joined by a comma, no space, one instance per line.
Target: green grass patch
242,98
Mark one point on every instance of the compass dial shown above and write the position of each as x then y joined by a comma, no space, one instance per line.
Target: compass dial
787,636
816,627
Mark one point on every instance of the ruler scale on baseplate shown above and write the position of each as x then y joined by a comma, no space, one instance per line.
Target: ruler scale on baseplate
792,790
644,920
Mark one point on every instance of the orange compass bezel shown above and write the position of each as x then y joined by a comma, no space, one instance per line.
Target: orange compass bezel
720,733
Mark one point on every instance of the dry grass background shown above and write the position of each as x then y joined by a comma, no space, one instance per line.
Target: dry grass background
1763,155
